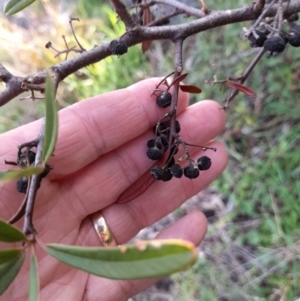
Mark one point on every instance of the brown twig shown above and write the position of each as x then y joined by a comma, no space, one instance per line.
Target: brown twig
123,13
13,85
191,11
136,36
28,227
49,45
241,79
263,14
173,107
74,35
176,12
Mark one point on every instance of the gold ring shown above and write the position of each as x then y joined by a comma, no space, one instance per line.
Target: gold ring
103,231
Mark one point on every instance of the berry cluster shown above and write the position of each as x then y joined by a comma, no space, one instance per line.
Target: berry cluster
25,159
22,162
160,145
191,171
275,43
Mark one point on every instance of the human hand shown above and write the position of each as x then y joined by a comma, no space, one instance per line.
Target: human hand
100,153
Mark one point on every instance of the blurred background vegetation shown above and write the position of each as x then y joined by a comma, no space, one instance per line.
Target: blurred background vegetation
252,249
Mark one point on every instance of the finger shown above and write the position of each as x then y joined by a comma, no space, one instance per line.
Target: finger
79,141
101,183
192,228
95,126
126,220
66,209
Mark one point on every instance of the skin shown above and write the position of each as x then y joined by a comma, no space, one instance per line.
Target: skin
99,154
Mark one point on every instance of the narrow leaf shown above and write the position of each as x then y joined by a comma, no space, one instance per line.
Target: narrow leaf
144,259
179,78
190,89
9,270
33,280
51,122
14,6
19,173
9,233
135,190
9,254
240,88
147,18
146,46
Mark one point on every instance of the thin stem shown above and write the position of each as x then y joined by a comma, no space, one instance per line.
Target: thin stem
234,92
280,15
176,12
13,85
73,32
173,108
263,14
21,210
137,35
123,13
183,7
28,227
252,65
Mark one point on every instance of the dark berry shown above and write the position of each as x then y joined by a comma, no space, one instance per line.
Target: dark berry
294,37
257,41
191,171
157,172
274,44
118,47
204,163
177,125
162,127
164,99
22,160
151,144
176,170
167,176
154,153
22,185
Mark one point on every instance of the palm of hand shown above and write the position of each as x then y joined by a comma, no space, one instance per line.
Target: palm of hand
101,153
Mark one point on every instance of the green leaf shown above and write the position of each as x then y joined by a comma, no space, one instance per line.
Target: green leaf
144,259
9,254
9,233
19,173
14,6
33,280
51,123
9,270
